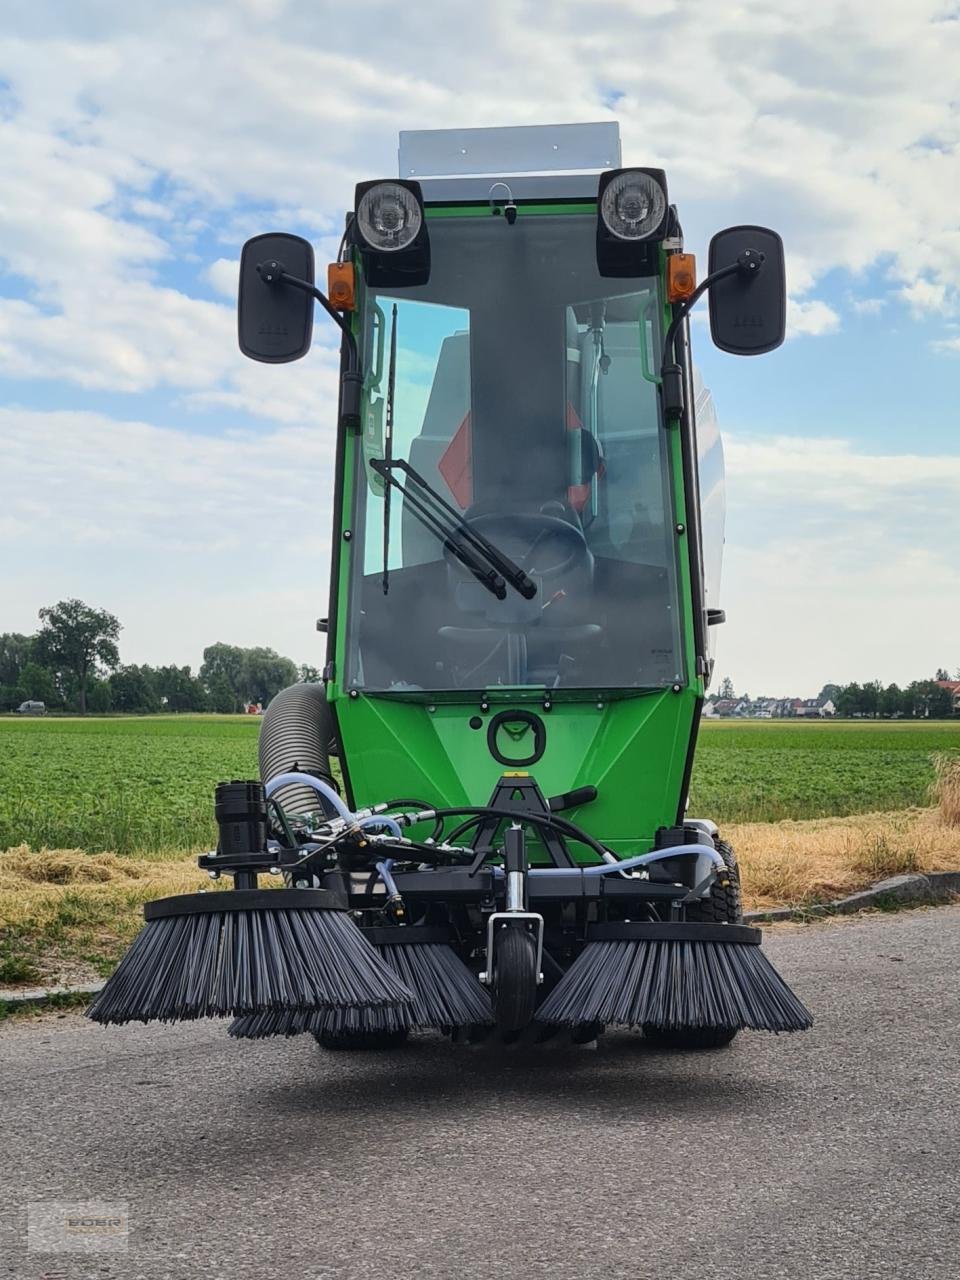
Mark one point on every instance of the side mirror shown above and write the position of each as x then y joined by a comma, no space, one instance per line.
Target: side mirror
748,309
275,320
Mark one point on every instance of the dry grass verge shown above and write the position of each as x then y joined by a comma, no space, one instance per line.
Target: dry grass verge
796,863
946,787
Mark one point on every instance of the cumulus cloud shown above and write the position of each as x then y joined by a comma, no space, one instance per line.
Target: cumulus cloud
837,563
186,537
131,149
854,159
811,318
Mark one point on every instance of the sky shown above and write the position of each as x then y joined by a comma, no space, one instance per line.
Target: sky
148,468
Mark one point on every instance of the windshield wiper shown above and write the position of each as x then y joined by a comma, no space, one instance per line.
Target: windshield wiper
486,562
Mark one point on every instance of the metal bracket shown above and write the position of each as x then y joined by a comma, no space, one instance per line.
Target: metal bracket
512,917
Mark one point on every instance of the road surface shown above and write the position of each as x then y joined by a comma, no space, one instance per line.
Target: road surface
830,1154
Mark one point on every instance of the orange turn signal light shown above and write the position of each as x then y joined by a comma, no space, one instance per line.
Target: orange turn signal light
342,286
681,276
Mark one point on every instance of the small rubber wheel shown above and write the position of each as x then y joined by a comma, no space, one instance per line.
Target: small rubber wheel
514,978
358,1041
690,1041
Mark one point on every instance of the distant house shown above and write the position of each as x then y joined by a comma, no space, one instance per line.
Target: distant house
953,687
813,707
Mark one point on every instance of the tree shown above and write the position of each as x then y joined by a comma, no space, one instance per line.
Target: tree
132,689
15,652
308,675
266,674
726,688
224,675
178,689
221,696
234,676
849,700
829,693
929,700
78,639
36,684
870,696
942,674
891,701
99,696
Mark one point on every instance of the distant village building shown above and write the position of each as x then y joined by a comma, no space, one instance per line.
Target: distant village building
953,688
770,708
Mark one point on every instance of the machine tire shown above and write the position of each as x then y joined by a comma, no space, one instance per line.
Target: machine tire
723,906
514,978
690,1041
362,1041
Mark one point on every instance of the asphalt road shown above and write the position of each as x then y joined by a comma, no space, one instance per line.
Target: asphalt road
835,1153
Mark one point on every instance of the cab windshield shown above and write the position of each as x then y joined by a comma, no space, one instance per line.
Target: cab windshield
523,398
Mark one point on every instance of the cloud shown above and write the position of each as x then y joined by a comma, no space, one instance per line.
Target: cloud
838,563
186,537
924,297
811,318
224,276
867,306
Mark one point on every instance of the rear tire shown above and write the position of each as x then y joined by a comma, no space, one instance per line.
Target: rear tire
362,1041
514,978
723,906
690,1041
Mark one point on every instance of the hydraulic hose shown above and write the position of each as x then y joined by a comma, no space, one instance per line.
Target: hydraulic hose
319,786
381,820
641,860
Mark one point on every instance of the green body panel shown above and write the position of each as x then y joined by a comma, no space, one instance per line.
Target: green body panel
633,747
632,750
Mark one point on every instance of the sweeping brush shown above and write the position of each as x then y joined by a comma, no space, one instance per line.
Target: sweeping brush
446,993
244,952
674,977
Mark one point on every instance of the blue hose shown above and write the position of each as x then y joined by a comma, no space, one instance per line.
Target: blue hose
322,788
385,868
641,860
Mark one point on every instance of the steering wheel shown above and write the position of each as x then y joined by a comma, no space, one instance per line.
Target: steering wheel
546,547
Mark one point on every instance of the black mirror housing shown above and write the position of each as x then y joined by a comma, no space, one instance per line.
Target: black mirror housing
275,320
748,309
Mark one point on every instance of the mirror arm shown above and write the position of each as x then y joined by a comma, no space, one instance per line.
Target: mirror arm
671,378
284,277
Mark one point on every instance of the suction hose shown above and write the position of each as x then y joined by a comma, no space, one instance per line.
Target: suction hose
295,736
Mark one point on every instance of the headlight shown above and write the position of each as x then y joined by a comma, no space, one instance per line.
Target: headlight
633,205
389,217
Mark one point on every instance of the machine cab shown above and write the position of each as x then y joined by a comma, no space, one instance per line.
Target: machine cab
520,404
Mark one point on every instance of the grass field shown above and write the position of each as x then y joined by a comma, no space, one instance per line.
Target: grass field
139,785
128,784
768,770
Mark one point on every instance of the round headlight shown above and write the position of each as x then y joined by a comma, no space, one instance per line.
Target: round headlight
389,217
633,205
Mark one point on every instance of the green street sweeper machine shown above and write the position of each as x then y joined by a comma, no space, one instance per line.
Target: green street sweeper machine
527,524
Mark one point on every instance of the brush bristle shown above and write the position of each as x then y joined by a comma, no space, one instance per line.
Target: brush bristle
674,986
221,963
446,994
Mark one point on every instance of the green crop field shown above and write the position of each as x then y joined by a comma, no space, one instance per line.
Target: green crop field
767,770
126,783
134,784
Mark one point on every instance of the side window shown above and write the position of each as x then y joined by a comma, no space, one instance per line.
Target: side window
629,521
430,421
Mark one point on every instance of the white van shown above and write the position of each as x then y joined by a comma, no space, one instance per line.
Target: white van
32,709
